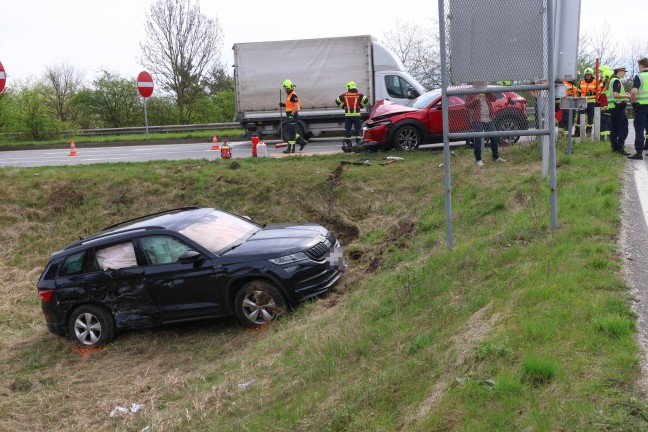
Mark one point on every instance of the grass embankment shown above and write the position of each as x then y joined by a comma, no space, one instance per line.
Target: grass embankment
111,139
519,327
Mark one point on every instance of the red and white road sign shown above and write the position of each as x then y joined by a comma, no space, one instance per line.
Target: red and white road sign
145,84
3,77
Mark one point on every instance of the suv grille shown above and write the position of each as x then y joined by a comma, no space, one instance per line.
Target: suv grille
318,252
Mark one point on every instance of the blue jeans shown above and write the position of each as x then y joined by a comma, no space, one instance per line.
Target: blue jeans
487,127
640,125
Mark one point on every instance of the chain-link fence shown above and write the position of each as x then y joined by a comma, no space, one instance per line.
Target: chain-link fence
498,74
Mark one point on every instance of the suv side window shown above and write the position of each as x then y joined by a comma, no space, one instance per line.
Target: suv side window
161,249
73,264
396,86
114,257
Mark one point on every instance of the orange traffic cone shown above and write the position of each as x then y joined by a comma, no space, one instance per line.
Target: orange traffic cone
215,143
73,151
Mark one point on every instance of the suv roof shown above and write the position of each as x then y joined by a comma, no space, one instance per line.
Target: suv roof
162,220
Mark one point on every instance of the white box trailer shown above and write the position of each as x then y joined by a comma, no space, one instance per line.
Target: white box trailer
320,69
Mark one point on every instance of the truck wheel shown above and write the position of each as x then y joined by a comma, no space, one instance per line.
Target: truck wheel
407,137
510,120
258,302
91,325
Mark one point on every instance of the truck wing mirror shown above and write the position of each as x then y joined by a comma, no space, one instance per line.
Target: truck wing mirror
412,93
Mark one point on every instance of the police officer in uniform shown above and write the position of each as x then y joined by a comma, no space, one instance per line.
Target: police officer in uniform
617,102
352,101
292,105
639,100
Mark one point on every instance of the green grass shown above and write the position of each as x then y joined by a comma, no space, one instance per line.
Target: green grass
166,136
518,327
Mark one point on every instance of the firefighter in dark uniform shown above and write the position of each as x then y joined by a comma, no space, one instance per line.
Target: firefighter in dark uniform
352,101
292,106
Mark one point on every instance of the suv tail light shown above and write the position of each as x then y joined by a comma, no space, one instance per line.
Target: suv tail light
45,294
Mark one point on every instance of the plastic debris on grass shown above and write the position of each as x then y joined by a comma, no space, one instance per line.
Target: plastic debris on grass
120,410
247,383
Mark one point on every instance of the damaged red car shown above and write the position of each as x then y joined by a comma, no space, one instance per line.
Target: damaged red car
391,125
184,264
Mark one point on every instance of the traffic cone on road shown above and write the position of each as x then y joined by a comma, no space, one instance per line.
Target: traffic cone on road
215,143
73,151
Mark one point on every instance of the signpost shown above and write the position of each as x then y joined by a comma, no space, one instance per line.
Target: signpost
3,78
145,88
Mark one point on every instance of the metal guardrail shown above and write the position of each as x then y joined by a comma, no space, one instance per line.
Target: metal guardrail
160,129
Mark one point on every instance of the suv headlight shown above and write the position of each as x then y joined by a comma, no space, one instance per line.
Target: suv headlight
287,259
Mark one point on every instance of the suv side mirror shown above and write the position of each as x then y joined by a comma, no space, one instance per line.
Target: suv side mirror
189,257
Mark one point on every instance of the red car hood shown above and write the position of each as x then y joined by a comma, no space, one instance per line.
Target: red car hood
385,108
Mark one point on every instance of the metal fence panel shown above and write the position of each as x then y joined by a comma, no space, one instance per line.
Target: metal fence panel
496,40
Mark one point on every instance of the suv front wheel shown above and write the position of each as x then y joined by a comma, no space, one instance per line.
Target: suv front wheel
407,137
258,303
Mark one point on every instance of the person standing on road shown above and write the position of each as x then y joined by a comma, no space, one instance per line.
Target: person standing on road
352,102
617,102
639,101
480,114
292,106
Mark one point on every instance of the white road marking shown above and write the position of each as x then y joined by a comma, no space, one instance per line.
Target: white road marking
641,180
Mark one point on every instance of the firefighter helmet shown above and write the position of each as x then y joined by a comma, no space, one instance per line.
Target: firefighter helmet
351,85
288,84
589,71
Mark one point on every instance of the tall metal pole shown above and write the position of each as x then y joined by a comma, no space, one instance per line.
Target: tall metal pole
569,131
552,129
444,110
145,117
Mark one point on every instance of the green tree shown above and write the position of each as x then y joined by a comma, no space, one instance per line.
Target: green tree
33,118
115,101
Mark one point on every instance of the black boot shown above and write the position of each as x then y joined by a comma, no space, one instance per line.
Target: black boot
302,143
290,149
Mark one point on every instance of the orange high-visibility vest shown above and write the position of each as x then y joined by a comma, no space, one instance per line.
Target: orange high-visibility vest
290,105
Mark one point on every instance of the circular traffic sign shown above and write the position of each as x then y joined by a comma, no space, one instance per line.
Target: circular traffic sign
3,77
145,84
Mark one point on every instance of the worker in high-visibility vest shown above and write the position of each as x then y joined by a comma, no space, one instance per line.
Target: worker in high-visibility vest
572,91
617,102
292,105
639,100
352,102
588,90
606,75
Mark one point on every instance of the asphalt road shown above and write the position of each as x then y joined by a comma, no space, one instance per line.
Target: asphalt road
144,153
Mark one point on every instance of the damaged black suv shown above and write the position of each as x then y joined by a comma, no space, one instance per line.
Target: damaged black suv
184,264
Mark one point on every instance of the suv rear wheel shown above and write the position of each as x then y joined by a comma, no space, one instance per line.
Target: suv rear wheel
510,120
91,325
258,303
407,137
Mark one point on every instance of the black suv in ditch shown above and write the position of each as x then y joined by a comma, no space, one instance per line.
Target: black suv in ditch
184,264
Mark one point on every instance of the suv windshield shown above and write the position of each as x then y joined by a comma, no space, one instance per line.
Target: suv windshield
219,232
424,100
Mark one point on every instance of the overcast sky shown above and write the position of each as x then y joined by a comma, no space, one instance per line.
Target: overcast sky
96,35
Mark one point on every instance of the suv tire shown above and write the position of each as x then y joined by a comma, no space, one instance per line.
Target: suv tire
510,120
91,325
407,138
258,302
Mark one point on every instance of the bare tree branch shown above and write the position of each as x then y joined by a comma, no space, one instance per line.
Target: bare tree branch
182,48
